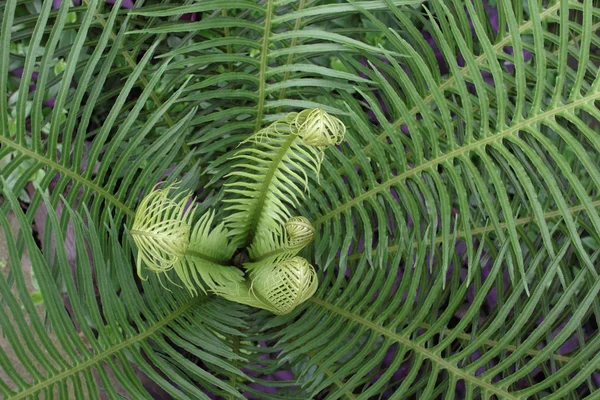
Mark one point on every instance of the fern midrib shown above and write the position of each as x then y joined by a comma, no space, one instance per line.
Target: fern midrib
67,172
204,257
435,358
264,190
262,73
492,343
464,71
482,230
143,80
455,153
109,352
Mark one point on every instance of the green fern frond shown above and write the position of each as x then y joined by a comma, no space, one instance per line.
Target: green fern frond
199,273
241,293
203,263
278,288
285,285
128,334
272,175
161,229
283,244
469,177
210,242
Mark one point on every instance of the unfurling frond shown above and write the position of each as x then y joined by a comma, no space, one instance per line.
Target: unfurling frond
278,288
196,272
161,229
299,232
202,264
241,293
272,175
318,128
210,242
282,245
285,285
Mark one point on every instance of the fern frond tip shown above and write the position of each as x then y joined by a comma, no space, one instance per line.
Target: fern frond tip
161,229
286,285
300,232
318,128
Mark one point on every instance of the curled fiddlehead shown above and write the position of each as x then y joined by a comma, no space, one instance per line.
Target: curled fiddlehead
318,128
283,244
162,231
278,288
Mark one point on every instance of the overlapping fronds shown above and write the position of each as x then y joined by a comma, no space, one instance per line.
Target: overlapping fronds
456,226
206,256
284,243
113,334
472,185
161,229
253,62
270,178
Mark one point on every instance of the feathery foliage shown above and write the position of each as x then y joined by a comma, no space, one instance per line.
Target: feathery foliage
456,227
161,230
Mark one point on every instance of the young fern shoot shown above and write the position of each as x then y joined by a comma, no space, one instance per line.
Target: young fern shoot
206,257
276,287
162,232
281,245
161,229
270,178
272,174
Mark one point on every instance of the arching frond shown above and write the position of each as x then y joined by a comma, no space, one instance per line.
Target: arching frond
110,336
269,179
205,259
456,226
161,230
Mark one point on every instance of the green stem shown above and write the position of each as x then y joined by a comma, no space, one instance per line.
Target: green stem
262,76
204,257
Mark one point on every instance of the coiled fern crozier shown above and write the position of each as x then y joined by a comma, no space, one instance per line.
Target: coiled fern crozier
270,176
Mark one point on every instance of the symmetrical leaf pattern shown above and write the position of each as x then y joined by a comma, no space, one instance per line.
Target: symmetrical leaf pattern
456,227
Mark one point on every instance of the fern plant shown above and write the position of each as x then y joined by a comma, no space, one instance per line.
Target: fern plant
258,217
449,214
